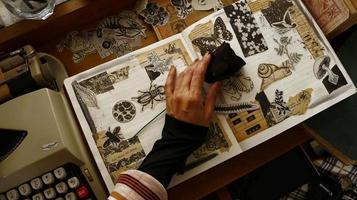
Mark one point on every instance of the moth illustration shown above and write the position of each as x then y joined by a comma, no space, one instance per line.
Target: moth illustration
285,25
237,84
220,34
183,7
113,138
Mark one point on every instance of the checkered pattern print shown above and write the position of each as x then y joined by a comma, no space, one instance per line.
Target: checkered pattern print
347,174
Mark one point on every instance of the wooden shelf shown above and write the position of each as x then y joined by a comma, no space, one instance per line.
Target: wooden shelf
221,175
67,16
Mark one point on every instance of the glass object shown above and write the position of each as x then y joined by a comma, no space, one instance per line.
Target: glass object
30,9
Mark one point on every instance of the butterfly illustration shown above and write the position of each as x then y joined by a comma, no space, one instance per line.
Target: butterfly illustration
220,33
285,25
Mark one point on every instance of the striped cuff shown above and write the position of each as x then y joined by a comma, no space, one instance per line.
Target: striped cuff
138,185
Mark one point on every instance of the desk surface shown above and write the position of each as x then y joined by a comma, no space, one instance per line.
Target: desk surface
219,176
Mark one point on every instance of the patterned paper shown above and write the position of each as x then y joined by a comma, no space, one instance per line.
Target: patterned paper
246,28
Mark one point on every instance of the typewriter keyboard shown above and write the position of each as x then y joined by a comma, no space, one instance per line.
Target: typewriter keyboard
63,183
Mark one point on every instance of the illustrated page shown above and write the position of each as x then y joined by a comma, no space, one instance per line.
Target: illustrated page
121,109
291,71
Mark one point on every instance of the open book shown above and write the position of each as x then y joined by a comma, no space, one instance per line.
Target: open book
292,73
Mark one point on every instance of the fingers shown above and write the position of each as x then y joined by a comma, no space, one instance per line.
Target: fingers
199,74
169,89
186,79
211,98
170,82
206,60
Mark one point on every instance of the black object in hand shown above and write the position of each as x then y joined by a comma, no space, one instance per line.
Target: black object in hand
224,63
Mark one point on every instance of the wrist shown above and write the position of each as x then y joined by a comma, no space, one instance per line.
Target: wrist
189,120
184,127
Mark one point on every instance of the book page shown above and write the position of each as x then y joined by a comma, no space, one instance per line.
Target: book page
116,100
121,107
327,89
291,71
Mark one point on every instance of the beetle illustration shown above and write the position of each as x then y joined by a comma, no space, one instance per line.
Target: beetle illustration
155,93
113,138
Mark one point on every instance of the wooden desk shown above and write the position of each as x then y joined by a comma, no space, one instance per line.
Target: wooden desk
217,177
81,14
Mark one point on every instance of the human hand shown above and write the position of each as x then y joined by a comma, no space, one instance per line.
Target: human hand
184,94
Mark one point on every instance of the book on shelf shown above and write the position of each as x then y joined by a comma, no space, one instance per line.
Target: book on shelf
333,16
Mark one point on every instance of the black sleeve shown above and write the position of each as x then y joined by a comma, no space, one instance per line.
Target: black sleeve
169,154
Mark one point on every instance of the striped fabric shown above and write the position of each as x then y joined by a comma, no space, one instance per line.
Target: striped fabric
134,184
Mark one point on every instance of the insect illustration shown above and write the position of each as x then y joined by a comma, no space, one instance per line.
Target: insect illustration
285,25
113,138
158,64
236,84
220,33
125,25
155,93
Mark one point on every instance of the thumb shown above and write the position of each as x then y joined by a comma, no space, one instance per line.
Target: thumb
211,98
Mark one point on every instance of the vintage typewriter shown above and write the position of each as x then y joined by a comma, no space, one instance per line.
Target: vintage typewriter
42,152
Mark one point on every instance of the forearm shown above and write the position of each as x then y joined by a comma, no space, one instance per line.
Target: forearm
179,139
169,154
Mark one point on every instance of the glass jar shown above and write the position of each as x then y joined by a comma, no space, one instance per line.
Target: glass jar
30,9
